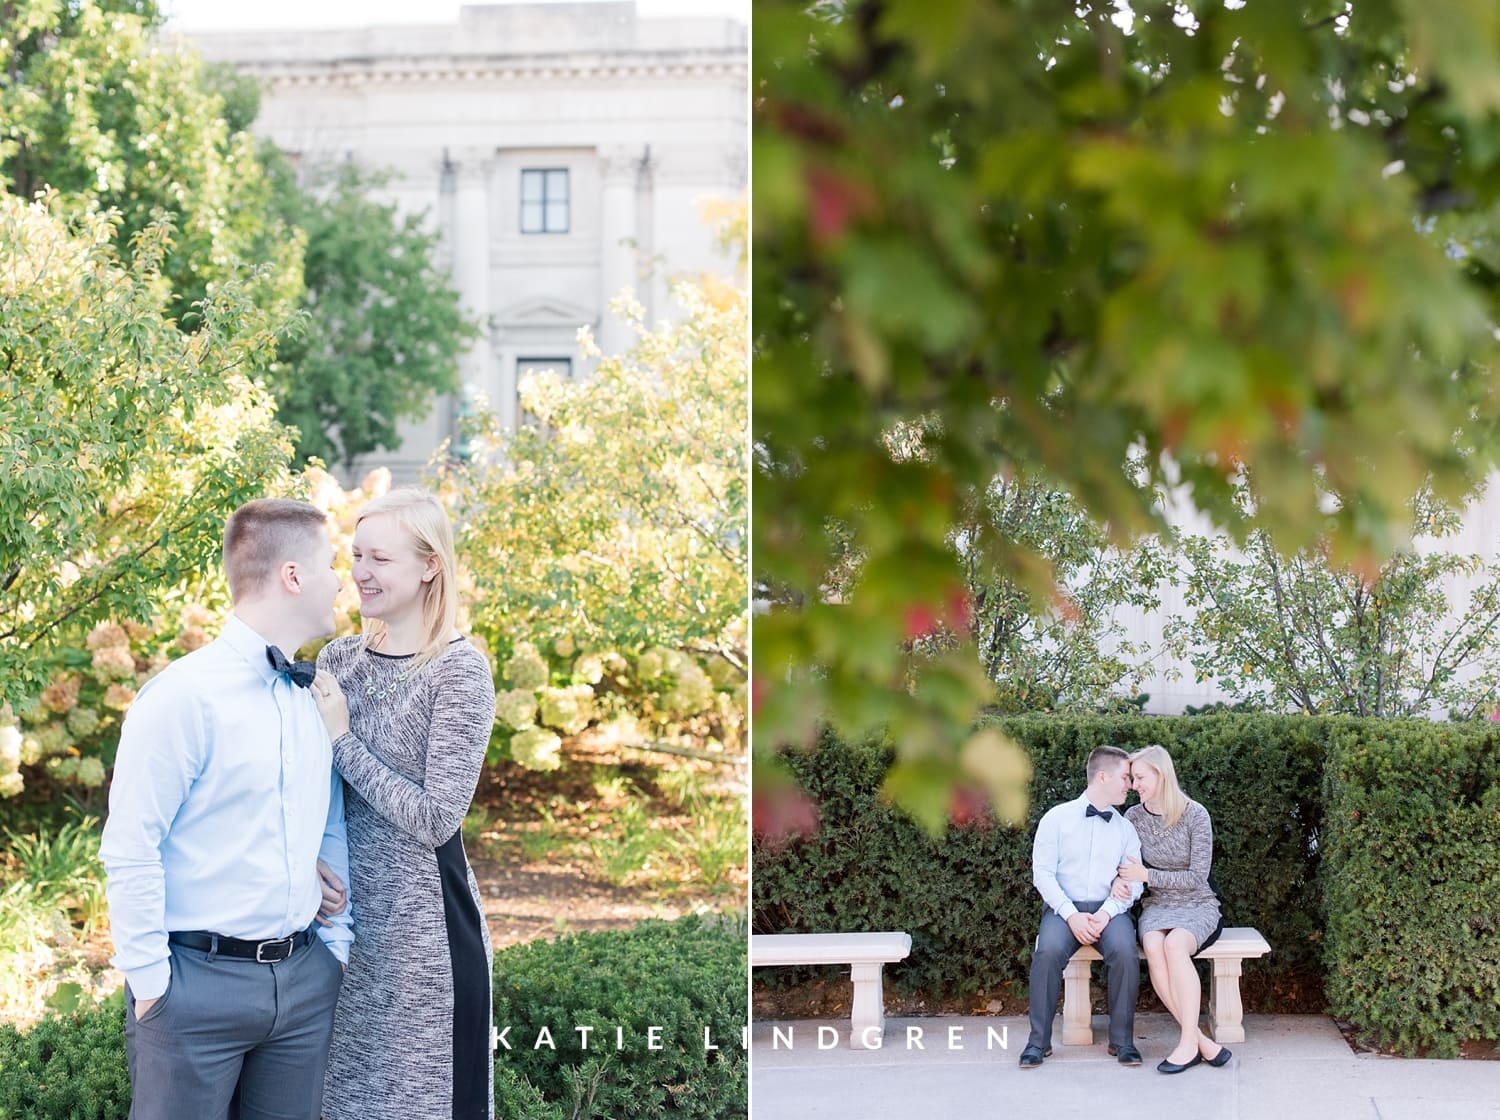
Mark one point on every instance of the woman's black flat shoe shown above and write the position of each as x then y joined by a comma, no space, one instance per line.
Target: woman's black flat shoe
1221,1058
1165,1066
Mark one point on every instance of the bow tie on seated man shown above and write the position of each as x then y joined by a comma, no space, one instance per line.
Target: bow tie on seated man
1105,815
300,672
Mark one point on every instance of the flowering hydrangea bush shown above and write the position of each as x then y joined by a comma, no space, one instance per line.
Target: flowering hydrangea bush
662,696
69,731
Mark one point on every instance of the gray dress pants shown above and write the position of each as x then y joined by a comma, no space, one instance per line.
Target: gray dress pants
1055,945
231,1039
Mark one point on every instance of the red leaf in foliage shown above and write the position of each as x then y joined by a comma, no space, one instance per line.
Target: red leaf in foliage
921,620
967,805
833,201
779,815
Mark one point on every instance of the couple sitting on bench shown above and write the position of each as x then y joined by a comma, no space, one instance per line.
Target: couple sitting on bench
1090,862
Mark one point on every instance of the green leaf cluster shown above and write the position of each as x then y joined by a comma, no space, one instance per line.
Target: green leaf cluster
123,441
1130,259
382,329
1417,636
97,110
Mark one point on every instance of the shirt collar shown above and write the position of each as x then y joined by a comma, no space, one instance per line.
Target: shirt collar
240,637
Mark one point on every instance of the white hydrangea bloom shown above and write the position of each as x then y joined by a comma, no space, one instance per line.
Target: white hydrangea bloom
515,707
526,668
567,709
536,749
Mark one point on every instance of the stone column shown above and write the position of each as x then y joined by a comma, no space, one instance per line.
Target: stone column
619,170
471,265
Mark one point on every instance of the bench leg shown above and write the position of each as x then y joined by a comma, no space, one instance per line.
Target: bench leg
1078,1016
1226,1014
867,1022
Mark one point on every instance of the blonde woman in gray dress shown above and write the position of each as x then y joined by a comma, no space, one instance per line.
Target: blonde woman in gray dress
1179,912
409,705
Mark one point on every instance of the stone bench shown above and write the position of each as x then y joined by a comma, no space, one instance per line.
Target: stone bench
864,953
1225,1012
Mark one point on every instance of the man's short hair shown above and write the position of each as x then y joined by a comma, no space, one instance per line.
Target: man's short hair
262,535
1105,758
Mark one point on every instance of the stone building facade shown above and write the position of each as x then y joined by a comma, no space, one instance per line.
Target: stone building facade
563,150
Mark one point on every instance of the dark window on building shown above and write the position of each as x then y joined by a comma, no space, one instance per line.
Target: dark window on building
544,200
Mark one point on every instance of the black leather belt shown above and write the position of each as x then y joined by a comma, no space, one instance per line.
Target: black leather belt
274,951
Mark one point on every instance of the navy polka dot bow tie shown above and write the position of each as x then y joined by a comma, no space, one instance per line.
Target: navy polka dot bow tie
301,672
1104,816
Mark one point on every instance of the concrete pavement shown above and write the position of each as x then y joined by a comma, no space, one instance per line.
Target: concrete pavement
1290,1067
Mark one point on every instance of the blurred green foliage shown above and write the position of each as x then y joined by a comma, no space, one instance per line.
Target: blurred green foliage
1124,253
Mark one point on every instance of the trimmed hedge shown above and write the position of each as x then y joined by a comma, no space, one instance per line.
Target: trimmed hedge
683,977
967,899
1413,882
680,976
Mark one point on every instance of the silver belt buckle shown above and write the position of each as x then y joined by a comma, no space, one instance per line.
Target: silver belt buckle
259,949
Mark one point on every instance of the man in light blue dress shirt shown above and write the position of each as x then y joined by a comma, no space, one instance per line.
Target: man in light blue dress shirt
1078,849
223,800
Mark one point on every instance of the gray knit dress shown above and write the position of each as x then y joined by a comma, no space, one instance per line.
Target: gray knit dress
411,1037
1178,895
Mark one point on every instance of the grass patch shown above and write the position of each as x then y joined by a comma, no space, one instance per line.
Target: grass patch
52,914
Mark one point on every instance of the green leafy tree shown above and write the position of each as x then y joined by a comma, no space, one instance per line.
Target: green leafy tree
1213,237
1069,652
1296,632
607,538
94,108
123,441
383,329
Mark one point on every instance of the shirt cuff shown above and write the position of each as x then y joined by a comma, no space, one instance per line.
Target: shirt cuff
1068,910
338,946
151,981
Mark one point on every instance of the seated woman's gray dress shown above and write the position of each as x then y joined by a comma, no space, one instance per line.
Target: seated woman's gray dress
411,1037
1178,895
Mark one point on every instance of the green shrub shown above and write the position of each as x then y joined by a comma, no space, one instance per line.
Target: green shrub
682,977
967,899
1413,882
69,1067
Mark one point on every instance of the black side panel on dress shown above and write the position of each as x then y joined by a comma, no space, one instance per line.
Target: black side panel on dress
471,986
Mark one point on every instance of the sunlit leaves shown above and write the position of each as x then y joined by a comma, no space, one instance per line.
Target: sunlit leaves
1060,243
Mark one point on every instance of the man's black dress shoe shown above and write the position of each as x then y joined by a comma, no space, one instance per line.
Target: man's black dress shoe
1032,1056
1165,1066
1221,1058
1128,1055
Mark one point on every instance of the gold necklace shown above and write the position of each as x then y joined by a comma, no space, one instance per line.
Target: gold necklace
375,690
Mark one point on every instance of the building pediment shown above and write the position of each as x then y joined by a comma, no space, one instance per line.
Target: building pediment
544,312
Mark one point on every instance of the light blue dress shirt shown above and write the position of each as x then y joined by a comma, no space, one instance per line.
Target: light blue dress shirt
224,797
1075,857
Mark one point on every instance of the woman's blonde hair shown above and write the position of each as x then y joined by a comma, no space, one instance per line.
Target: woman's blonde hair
426,523
1169,796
